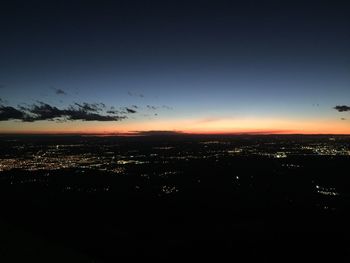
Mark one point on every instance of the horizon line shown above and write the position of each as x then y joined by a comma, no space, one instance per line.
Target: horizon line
166,133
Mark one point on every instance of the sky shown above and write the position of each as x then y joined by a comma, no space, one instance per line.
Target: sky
181,66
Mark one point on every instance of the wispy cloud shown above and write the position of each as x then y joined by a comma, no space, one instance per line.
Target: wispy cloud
60,91
151,107
125,110
93,107
128,110
133,94
167,107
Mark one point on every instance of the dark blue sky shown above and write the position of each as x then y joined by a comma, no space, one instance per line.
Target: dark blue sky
216,60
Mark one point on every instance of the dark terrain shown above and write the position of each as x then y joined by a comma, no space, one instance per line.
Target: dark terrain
101,199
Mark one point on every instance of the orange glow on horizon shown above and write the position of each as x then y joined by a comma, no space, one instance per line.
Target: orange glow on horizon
188,126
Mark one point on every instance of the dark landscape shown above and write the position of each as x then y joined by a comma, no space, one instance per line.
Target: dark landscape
102,199
174,131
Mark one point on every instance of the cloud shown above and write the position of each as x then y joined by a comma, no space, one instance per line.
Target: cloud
93,107
158,133
132,94
113,112
74,114
130,110
3,101
343,119
10,113
42,111
167,107
125,110
342,108
60,92
151,107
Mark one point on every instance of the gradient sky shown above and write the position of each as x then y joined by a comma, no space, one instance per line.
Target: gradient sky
204,66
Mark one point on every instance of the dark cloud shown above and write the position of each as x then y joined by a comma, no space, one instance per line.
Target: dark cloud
342,108
343,119
124,110
3,101
94,107
128,110
42,111
60,92
158,133
88,116
10,113
113,112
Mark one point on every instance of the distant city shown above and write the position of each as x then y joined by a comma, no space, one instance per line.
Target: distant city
167,160
110,157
